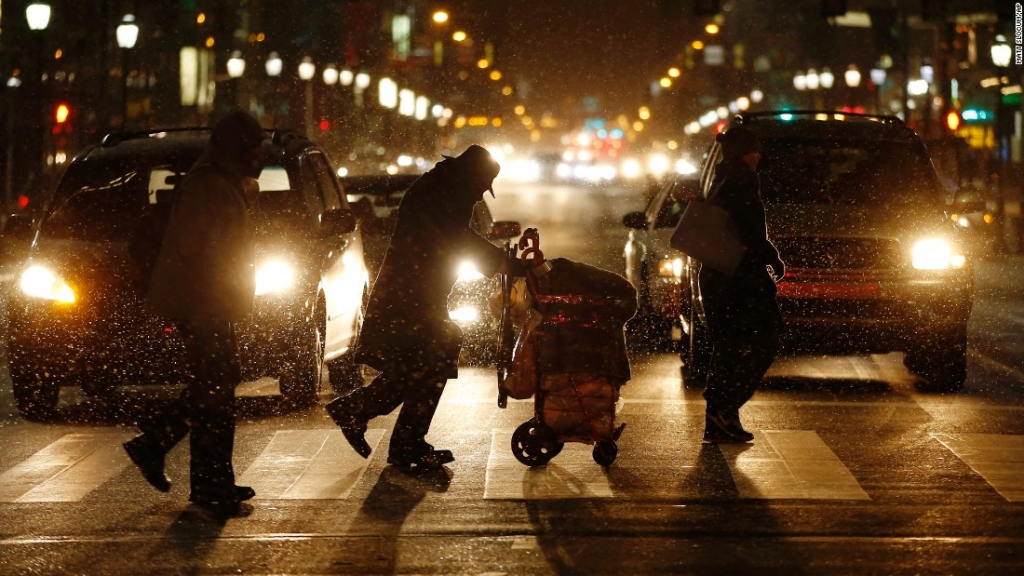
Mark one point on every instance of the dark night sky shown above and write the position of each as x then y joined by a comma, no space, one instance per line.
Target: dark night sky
568,49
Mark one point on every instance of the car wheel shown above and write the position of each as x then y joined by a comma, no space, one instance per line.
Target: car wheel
646,331
304,364
941,360
695,353
35,394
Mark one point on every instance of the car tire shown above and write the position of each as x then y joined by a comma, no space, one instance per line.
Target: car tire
941,360
304,364
35,395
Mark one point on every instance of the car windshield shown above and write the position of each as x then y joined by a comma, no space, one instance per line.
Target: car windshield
104,202
801,171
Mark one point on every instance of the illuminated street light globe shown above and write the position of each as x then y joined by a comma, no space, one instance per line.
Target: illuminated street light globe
800,81
306,68
1001,52
813,80
38,15
346,76
127,32
274,65
331,75
878,76
827,78
236,65
852,76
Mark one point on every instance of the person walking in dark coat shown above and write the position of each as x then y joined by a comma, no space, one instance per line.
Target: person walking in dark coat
204,281
741,310
407,334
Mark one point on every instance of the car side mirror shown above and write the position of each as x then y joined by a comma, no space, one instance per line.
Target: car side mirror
635,220
504,229
336,222
968,200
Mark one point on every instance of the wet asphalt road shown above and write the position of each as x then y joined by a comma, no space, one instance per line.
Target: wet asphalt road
852,471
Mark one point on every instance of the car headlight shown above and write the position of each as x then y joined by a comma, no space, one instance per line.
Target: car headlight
469,272
936,254
274,276
464,315
670,267
41,282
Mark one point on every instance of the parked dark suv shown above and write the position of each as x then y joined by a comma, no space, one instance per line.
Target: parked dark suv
873,262
77,316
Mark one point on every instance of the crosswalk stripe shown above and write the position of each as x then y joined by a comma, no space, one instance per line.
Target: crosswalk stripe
783,464
998,458
308,465
66,470
571,474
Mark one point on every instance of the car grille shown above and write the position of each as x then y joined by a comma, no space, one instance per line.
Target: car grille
826,253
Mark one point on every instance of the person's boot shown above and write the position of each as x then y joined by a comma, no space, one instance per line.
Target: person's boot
353,426
718,429
421,456
149,461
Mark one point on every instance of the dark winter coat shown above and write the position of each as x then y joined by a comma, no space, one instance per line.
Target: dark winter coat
737,189
206,265
585,310
407,314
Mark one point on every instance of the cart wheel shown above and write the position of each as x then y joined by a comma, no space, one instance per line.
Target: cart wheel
605,452
534,443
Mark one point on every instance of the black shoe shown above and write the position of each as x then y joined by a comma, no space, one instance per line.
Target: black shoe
719,429
221,499
733,420
428,460
149,462
352,427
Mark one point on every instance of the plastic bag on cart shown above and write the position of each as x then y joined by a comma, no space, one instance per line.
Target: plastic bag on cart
580,406
521,381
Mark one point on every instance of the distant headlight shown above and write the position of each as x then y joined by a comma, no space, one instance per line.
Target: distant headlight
274,276
42,283
936,254
468,272
670,267
464,315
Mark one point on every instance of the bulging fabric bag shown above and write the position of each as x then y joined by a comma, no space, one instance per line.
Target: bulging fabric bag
707,234
521,381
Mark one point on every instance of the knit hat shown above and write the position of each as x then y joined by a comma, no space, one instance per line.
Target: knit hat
478,163
738,141
237,132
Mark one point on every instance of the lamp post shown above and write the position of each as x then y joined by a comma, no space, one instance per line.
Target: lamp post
127,34
1001,53
38,16
273,67
236,68
306,72
878,75
852,79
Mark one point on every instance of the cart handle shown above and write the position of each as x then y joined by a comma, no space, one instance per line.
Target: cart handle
529,243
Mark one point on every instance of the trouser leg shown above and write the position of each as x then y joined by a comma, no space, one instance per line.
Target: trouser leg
212,353
421,399
381,396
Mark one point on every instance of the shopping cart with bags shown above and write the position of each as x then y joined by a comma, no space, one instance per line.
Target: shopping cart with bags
570,354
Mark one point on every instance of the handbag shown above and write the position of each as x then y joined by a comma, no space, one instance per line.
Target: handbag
707,233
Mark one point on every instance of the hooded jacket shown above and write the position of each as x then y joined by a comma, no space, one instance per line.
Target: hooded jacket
206,265
407,313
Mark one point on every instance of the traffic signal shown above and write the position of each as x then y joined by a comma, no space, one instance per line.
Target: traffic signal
953,120
61,113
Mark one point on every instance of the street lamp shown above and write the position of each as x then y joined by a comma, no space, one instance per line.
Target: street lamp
127,34
852,76
878,75
1001,54
38,16
274,66
236,65
306,72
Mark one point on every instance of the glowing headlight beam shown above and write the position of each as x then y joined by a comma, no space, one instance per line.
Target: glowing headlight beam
274,276
43,283
468,272
936,254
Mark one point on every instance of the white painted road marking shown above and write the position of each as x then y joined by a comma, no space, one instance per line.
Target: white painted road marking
571,474
308,465
785,464
66,470
998,458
